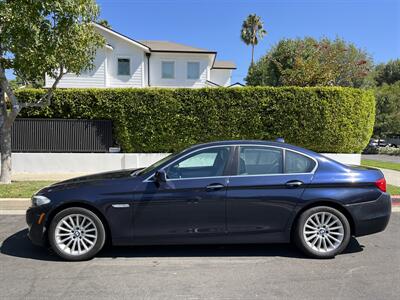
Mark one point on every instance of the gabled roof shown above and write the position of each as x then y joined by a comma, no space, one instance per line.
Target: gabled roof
224,64
166,46
124,37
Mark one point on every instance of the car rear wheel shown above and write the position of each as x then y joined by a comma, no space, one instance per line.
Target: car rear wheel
322,232
76,234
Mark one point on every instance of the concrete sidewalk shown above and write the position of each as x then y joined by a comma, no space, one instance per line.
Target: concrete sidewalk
392,177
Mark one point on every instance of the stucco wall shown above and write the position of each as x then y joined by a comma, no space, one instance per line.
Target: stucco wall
42,163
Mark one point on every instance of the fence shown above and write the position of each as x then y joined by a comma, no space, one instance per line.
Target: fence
61,135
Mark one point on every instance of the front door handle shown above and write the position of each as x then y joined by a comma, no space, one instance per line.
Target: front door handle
293,183
214,187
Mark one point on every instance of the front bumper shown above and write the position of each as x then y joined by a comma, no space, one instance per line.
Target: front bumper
36,229
372,216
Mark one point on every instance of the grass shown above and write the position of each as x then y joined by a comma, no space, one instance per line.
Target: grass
393,190
381,164
22,189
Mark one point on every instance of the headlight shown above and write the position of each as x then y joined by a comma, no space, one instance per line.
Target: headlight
39,200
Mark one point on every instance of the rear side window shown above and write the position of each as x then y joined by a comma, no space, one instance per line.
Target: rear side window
298,163
260,160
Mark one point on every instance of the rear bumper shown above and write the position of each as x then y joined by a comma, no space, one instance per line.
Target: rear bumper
372,216
36,231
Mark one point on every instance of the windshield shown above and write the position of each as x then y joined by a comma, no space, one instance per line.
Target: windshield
154,166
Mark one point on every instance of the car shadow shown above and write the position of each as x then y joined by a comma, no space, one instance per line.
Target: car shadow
19,245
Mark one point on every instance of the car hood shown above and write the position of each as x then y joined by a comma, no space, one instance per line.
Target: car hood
90,179
100,176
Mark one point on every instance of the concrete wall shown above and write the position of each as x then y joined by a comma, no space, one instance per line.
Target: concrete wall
55,163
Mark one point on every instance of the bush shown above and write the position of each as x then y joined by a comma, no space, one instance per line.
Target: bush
326,119
389,151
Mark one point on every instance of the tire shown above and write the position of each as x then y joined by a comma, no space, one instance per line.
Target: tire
76,234
318,241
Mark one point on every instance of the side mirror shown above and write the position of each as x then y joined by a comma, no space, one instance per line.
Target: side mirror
160,176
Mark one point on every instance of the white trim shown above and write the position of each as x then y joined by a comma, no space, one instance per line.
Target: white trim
147,49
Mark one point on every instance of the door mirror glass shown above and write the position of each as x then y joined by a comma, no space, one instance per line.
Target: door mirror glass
160,176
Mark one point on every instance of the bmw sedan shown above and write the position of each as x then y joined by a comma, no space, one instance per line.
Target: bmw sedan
220,192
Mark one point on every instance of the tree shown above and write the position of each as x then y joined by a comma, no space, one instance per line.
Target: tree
252,31
37,38
311,62
387,119
387,73
104,23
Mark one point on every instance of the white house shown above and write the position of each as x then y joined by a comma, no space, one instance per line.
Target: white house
125,62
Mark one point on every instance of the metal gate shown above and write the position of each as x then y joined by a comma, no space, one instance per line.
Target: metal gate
61,135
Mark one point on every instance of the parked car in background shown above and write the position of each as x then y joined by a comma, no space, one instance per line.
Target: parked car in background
377,143
393,140
220,192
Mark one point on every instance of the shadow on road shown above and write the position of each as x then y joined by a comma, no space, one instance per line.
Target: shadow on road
18,245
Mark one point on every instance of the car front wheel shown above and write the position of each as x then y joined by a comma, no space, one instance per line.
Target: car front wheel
322,232
76,234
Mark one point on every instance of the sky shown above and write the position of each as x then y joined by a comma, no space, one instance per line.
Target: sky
373,25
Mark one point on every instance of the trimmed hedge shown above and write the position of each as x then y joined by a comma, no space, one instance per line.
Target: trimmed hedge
324,119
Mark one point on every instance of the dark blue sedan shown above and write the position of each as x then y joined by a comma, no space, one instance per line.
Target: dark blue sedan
221,192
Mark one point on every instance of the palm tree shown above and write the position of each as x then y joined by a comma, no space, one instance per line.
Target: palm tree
252,31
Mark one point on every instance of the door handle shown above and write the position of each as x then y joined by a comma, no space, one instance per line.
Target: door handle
293,183
214,187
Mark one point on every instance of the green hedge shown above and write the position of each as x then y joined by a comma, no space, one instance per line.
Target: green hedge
325,119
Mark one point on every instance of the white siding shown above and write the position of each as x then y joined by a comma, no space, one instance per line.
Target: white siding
122,49
181,60
105,71
93,78
221,76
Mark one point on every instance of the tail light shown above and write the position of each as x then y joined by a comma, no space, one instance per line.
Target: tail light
381,184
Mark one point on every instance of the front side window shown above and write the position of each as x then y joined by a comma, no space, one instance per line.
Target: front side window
124,66
297,163
255,160
204,163
193,70
168,70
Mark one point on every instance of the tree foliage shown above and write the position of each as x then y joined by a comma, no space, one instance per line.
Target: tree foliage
387,73
387,119
36,38
311,62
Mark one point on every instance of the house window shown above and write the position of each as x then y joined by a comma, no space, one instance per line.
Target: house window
168,70
193,70
124,66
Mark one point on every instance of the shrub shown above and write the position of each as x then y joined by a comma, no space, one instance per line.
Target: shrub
389,151
326,119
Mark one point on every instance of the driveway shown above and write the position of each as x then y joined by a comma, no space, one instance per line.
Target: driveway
370,269
381,157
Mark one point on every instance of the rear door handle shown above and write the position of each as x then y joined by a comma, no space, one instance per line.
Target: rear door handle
214,187
293,183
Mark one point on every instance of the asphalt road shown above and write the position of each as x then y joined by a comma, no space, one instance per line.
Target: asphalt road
370,269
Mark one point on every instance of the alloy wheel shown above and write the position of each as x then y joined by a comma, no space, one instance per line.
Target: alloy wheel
323,232
75,234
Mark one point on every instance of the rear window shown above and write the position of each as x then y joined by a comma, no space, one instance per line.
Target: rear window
298,163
